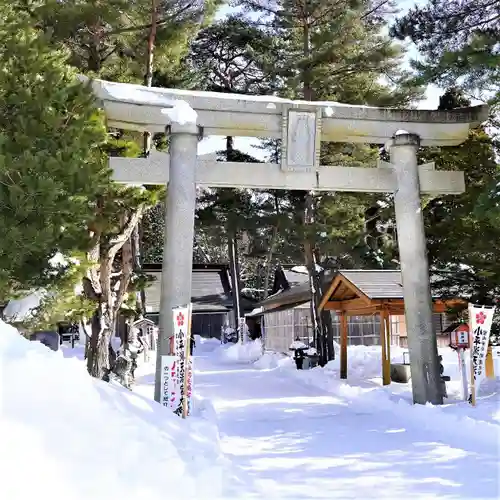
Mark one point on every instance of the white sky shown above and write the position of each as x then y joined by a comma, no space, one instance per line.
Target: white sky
217,143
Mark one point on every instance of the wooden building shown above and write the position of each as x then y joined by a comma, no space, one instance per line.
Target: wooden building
285,315
211,298
372,293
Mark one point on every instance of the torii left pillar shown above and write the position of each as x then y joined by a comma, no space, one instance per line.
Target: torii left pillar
176,275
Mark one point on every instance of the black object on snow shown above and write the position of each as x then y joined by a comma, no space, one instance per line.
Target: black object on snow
298,356
192,344
444,378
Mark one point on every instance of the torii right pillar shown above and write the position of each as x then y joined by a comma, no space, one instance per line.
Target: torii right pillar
422,342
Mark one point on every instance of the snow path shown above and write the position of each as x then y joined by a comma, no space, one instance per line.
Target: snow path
298,442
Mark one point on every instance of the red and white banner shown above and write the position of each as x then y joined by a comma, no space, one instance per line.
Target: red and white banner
480,321
184,370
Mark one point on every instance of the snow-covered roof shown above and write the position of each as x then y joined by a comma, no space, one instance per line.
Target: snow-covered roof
376,284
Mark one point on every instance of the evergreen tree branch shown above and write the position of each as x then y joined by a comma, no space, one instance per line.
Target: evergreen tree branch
374,9
159,23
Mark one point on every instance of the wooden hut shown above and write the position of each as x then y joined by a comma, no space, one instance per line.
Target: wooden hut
372,292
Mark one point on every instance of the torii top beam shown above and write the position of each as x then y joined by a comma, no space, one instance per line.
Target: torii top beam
135,107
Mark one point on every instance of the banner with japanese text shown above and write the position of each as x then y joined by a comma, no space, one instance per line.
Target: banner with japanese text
480,321
242,331
169,387
189,386
184,370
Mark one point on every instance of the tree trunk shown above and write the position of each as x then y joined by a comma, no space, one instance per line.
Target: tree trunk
87,334
232,250
268,268
315,281
309,247
148,77
147,139
306,48
272,247
99,286
229,148
234,274
94,59
326,319
326,316
142,293
98,360
136,256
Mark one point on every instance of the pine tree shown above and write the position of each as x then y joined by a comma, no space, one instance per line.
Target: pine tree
334,51
51,157
463,240
458,44
233,55
112,279
109,40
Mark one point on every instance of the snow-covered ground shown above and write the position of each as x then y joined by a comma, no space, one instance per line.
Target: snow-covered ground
64,435
260,430
309,435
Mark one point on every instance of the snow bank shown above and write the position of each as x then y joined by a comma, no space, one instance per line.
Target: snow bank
206,340
70,436
241,353
363,391
365,362
271,360
204,344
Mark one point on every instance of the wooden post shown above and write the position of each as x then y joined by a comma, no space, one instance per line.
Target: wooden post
343,344
472,397
386,350
463,373
489,366
388,336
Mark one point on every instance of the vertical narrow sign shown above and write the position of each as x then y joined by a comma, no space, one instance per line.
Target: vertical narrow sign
188,377
460,340
463,373
169,388
189,386
480,320
242,331
182,331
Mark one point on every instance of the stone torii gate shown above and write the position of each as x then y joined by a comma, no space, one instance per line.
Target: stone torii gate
188,115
